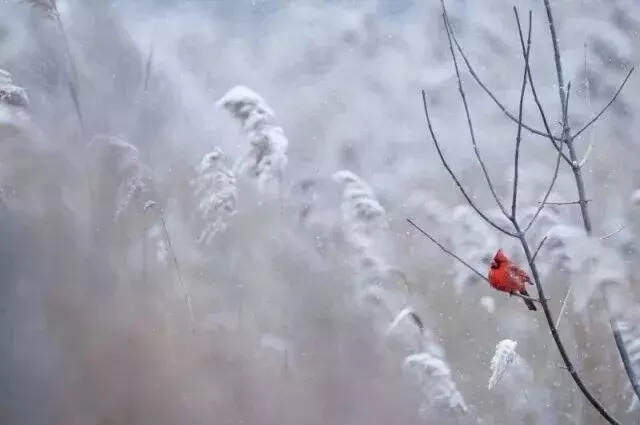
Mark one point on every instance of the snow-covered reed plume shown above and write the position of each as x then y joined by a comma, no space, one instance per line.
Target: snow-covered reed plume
382,289
589,261
11,94
503,358
362,215
134,182
216,191
438,388
267,157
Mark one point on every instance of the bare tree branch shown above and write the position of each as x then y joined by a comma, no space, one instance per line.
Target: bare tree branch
546,125
442,247
586,155
564,203
579,182
489,92
564,304
452,174
514,196
543,116
608,235
535,254
547,193
463,262
470,125
604,109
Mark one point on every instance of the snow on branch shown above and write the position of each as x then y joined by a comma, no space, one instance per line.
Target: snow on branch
267,157
215,188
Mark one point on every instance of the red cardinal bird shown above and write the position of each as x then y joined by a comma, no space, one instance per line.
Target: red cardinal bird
506,276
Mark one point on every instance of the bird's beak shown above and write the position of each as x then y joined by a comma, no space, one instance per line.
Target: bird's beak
493,264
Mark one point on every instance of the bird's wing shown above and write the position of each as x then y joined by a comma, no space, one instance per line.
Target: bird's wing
518,273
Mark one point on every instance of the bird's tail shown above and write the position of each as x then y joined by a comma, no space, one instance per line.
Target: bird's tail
529,303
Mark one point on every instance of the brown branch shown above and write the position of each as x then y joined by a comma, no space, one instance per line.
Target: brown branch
514,196
452,174
546,125
566,139
463,97
604,109
490,93
534,92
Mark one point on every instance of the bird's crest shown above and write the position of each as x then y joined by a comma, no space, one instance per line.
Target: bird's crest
500,257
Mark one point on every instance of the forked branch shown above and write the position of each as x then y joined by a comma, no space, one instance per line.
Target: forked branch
452,174
493,97
514,196
604,109
469,123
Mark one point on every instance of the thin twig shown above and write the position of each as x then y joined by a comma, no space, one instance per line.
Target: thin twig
445,249
535,254
147,69
469,123
544,202
452,174
514,196
534,92
463,262
564,304
187,297
564,203
604,109
608,235
490,93
546,125
586,154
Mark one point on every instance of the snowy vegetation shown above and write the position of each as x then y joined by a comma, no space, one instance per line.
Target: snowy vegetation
173,248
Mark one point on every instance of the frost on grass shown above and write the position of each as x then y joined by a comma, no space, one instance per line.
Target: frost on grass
267,156
502,359
133,177
216,191
589,262
437,386
383,290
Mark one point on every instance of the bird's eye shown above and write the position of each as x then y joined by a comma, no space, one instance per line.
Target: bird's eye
494,264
